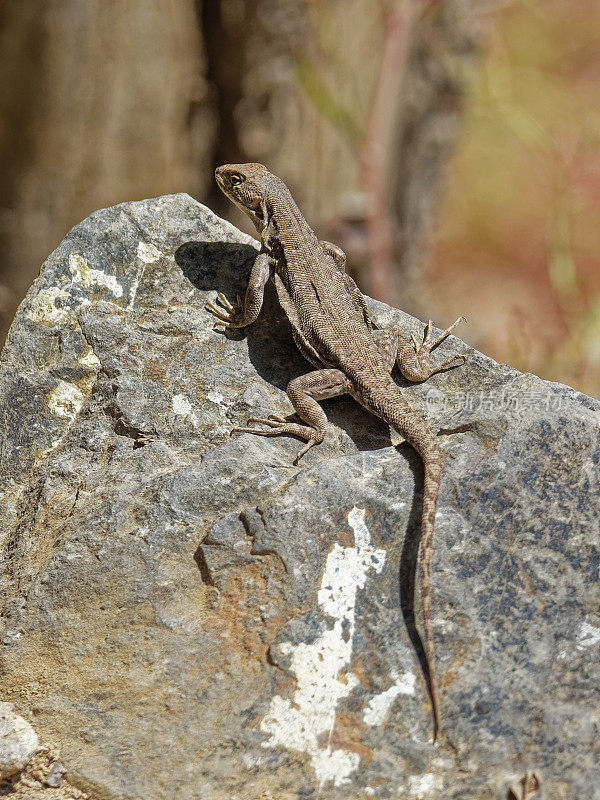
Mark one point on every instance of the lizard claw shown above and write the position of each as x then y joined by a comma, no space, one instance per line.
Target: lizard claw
273,420
429,343
227,313
279,418
312,441
224,302
278,425
450,363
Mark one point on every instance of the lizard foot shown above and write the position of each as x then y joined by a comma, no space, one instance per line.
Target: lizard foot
429,343
228,314
279,425
416,363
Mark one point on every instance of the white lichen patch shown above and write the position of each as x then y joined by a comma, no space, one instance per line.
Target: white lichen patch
43,306
321,667
181,405
588,636
424,786
215,397
88,277
379,705
66,400
148,253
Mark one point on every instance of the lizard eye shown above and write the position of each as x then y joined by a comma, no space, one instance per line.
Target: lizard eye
235,178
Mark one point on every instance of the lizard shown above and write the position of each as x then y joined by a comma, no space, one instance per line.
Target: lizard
332,329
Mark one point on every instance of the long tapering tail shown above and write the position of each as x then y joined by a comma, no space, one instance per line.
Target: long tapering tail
433,466
390,405
433,458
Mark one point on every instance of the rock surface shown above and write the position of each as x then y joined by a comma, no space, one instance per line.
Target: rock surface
18,741
186,615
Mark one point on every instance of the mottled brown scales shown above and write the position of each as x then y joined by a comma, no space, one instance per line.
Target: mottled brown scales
332,329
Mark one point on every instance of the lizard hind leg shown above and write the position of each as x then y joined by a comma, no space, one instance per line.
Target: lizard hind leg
305,392
414,359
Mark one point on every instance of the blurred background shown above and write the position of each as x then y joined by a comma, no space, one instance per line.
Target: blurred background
451,147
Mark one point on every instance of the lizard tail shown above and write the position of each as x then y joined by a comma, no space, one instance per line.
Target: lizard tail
393,408
433,474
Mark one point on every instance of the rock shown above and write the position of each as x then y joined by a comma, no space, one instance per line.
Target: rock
196,618
55,776
18,741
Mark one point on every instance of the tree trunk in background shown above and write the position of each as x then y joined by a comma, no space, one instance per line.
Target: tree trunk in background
446,46
106,101
224,36
95,110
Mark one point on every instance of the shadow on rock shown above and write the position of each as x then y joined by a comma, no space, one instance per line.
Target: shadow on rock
225,267
214,265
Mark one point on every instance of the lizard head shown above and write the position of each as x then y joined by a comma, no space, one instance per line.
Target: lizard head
244,185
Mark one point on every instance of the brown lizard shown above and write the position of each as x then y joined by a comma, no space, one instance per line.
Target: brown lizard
332,329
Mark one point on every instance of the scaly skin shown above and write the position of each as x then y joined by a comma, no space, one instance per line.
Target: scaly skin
331,327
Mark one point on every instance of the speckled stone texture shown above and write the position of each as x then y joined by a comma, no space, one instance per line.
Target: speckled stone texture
187,615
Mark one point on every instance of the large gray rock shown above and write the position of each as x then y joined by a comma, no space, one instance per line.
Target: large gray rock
189,616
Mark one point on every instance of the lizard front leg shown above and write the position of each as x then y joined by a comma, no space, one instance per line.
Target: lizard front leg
305,392
413,359
234,315
339,259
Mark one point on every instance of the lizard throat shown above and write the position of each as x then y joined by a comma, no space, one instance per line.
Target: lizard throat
254,214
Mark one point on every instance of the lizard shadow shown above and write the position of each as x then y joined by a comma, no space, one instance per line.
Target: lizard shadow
225,267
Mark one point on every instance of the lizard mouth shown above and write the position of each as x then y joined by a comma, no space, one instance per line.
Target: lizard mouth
219,179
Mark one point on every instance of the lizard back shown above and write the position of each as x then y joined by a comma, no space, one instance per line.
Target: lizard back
328,304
